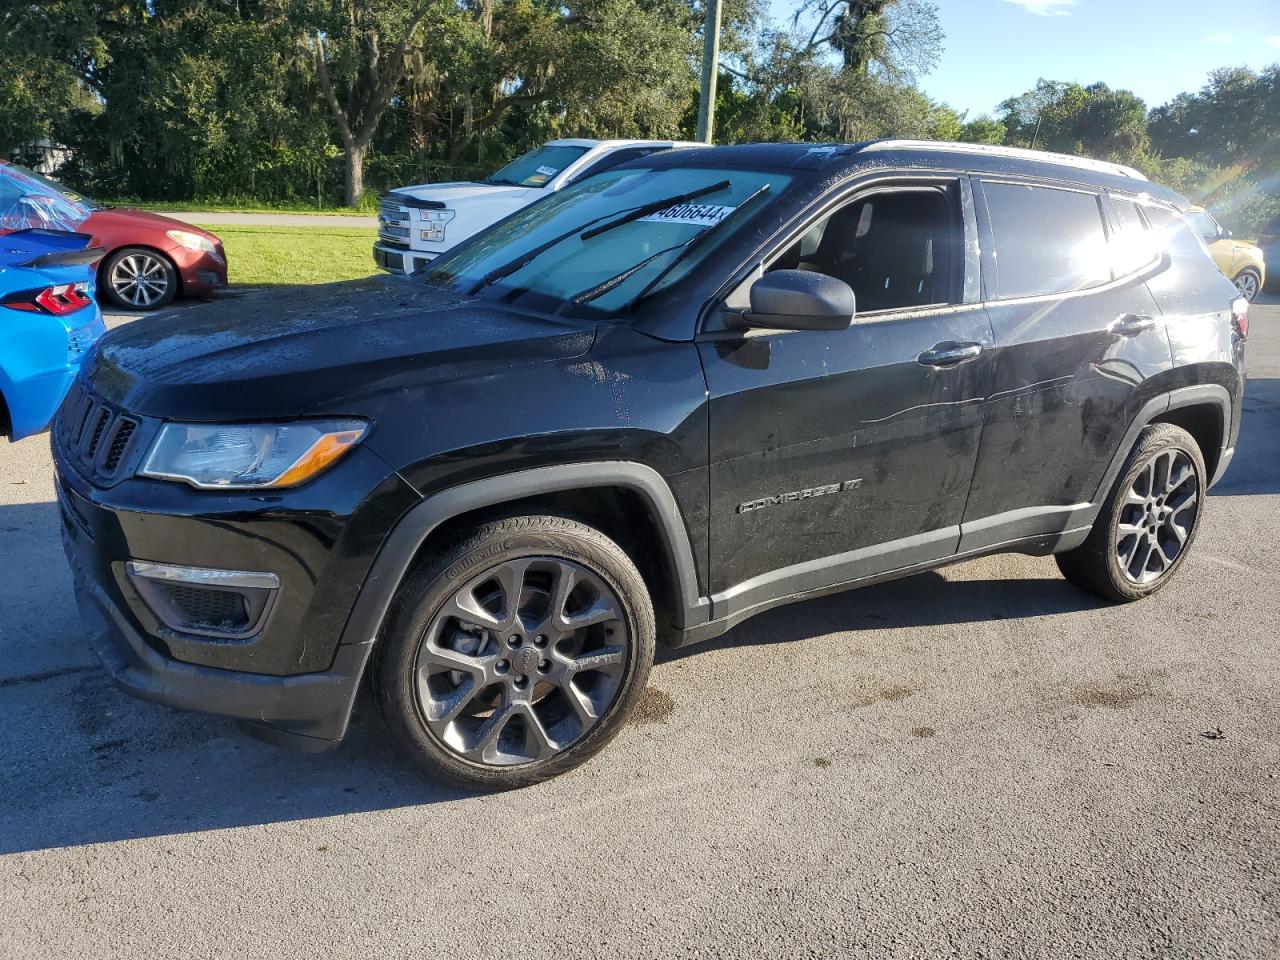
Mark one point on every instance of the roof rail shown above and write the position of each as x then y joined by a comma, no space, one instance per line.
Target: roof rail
988,150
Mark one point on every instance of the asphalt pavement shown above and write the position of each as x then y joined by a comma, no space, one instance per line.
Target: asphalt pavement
978,762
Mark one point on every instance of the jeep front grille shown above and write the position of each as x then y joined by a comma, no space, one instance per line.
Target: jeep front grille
93,435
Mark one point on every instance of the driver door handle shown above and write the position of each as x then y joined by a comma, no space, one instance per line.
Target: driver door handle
1132,324
950,354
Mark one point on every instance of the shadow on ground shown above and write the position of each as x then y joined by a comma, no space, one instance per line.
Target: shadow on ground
1256,467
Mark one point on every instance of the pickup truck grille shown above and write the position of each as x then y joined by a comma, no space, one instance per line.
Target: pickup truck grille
393,219
94,436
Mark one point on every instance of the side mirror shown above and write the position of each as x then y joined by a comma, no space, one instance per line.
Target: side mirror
800,300
1226,234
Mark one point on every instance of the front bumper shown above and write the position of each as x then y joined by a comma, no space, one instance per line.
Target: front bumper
294,670
400,259
311,710
201,273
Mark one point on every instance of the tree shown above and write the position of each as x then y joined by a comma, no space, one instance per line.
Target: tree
44,46
355,76
898,39
1071,118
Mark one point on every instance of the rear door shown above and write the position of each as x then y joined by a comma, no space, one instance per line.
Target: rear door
1077,336
837,455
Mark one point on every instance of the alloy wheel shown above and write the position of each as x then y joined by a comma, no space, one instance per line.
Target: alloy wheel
1159,513
1247,284
139,280
522,661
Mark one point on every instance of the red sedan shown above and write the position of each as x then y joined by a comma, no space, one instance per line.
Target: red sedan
150,259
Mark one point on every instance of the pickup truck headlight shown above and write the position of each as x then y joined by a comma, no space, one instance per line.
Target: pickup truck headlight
434,222
250,456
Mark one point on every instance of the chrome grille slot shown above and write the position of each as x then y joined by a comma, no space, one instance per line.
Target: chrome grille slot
393,219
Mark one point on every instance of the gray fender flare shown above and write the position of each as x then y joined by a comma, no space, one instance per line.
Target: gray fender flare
1196,395
408,535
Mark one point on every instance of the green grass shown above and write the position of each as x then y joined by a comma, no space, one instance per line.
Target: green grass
368,208
269,256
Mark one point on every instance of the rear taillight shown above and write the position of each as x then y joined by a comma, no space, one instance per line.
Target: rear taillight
59,301
1240,317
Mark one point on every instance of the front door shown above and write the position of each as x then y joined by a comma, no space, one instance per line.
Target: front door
837,455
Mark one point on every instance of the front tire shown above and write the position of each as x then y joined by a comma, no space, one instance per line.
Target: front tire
517,654
1249,282
135,278
1149,521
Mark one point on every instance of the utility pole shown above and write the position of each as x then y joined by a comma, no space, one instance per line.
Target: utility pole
710,67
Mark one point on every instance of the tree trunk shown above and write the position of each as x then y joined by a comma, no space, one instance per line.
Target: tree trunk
355,155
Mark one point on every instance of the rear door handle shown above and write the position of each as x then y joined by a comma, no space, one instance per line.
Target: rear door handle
1132,324
949,354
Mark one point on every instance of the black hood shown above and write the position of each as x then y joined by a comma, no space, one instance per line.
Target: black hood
283,353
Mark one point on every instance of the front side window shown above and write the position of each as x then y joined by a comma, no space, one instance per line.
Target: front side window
1204,225
1047,240
593,248
897,249
536,168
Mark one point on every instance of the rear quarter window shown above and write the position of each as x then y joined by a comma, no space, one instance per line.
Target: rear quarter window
1132,246
1047,240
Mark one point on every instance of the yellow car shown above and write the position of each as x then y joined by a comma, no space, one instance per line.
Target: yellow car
1243,263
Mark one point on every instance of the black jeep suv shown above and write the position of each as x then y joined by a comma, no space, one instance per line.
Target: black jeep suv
640,412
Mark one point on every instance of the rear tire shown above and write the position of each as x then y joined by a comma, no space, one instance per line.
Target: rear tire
1148,522
517,654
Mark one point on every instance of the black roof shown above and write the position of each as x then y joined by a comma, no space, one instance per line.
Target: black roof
839,161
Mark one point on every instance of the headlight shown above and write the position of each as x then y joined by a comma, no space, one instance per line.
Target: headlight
434,222
249,456
192,241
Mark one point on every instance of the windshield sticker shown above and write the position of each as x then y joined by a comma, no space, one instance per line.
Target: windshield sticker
700,214
547,171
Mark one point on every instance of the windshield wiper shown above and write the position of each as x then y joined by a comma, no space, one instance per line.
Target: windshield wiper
628,216
600,289
502,182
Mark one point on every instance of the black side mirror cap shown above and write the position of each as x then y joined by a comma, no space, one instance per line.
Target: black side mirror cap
800,300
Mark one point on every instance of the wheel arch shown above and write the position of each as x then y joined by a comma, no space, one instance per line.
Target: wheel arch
150,248
1203,410
594,492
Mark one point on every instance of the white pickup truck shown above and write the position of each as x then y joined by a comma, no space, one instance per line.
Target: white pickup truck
418,223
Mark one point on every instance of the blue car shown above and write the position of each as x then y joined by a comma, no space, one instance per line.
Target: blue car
48,321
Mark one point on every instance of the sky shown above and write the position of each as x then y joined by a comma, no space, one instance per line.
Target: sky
1156,48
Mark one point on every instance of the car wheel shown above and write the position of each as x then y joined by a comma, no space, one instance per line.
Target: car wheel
517,654
139,279
1249,282
1149,522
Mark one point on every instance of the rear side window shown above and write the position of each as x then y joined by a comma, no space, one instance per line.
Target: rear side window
1047,240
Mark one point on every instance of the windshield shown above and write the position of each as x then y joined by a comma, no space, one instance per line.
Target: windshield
537,168
29,200
563,246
